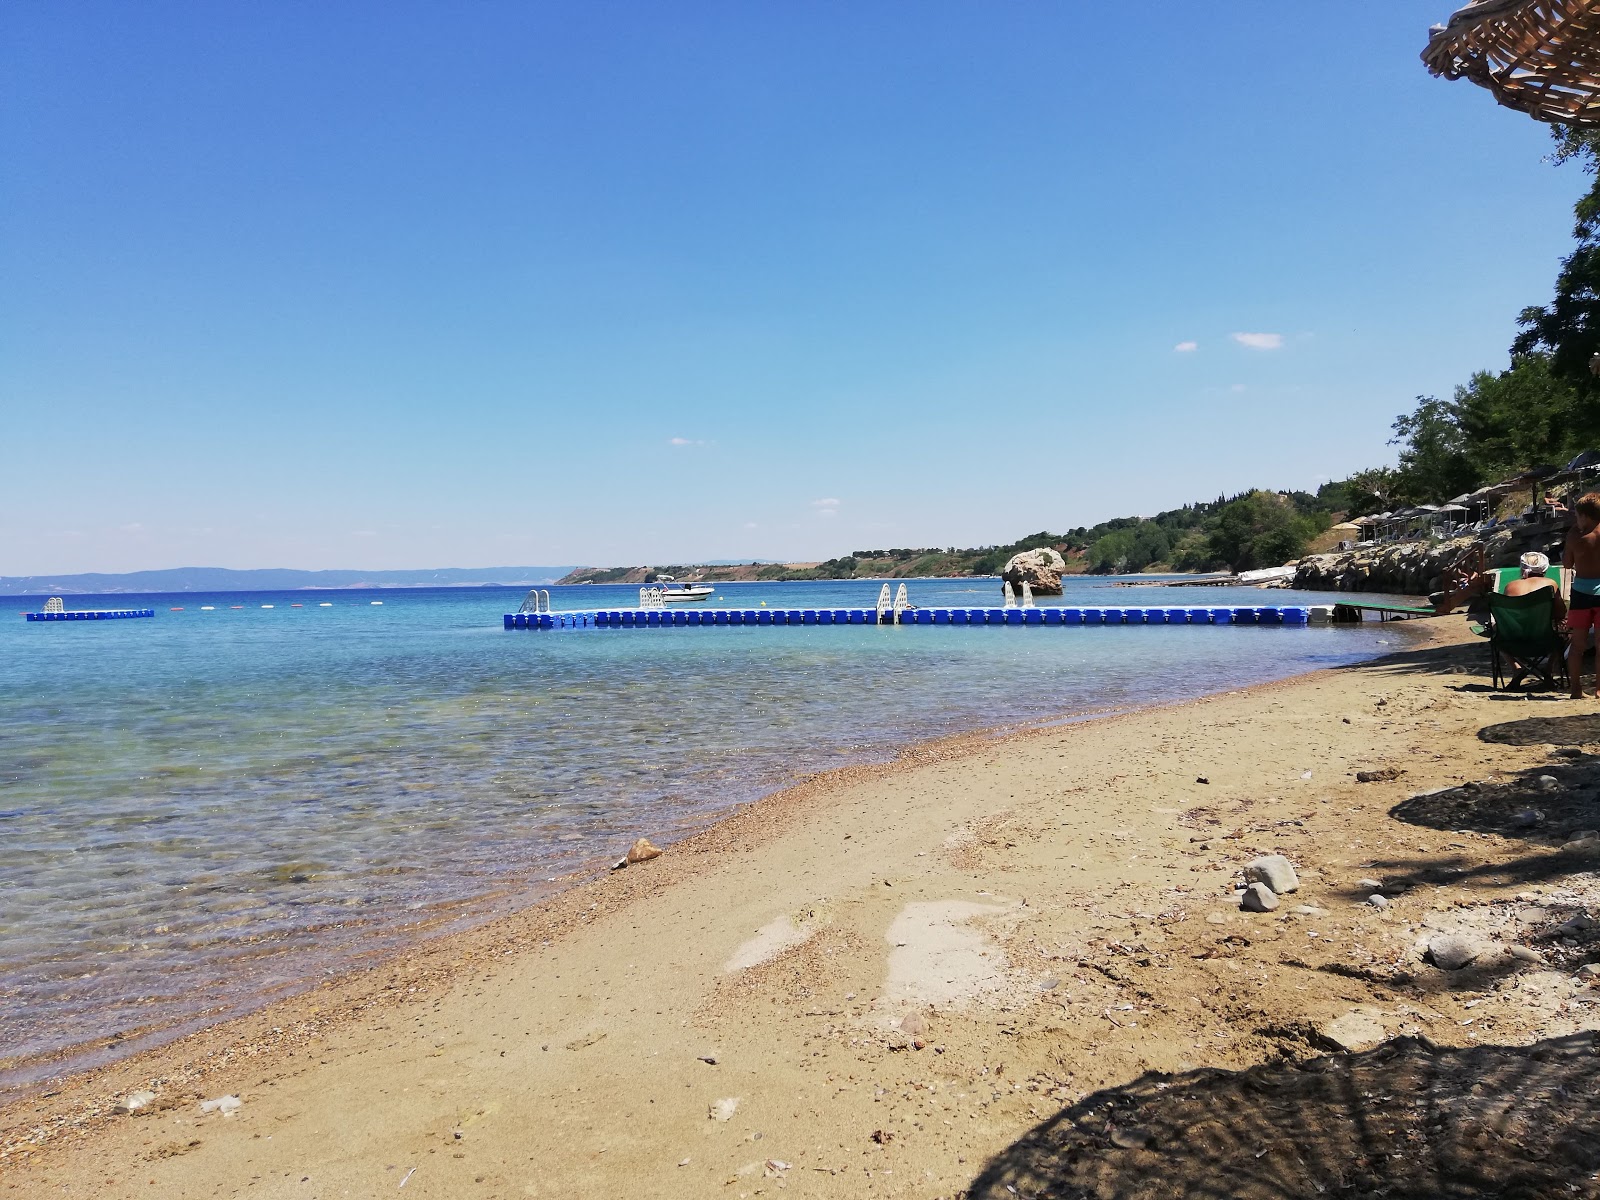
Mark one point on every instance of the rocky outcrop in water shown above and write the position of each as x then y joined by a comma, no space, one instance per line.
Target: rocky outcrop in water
1040,569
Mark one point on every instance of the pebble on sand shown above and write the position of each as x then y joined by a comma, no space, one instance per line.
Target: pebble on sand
1452,951
640,851
724,1109
1258,897
1275,871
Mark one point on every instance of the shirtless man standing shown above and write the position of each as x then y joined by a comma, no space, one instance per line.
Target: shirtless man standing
1582,555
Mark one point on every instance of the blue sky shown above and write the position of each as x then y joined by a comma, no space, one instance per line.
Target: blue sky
405,285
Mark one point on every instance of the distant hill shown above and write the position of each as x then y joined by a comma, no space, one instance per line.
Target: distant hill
222,579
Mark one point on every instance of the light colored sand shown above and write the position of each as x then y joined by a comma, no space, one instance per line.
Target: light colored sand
940,956
1049,914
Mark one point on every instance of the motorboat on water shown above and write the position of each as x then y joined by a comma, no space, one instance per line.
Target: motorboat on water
680,593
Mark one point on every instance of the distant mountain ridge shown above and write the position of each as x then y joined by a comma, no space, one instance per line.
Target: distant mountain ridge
225,579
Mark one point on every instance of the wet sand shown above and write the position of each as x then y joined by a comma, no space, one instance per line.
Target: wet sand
878,982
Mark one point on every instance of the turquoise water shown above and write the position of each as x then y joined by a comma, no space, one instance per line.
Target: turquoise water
205,809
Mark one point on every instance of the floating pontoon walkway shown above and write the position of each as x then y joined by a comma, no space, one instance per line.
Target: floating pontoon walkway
91,614
656,618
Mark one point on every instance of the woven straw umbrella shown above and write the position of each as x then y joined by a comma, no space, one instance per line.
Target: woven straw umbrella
1541,57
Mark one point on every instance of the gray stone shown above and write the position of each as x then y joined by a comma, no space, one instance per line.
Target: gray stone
1128,1138
1370,885
1275,871
1589,971
1527,818
1549,782
1452,951
1258,897
1582,846
1378,902
1525,954
1216,918
1584,835
1308,910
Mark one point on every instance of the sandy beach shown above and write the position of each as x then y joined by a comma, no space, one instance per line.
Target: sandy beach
995,967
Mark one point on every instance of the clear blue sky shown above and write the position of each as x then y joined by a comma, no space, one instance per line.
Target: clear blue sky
405,285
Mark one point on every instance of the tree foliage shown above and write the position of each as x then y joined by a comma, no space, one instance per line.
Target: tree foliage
1261,529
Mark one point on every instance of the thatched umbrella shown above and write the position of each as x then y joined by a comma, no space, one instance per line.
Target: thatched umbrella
1541,57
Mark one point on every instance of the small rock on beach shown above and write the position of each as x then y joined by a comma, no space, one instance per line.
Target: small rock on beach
1452,951
642,851
1258,897
1275,871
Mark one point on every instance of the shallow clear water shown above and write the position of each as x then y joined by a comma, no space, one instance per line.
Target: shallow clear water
199,810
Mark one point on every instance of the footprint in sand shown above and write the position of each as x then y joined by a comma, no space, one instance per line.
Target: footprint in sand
772,939
938,957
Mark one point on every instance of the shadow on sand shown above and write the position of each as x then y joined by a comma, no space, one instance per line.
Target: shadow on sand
1407,1120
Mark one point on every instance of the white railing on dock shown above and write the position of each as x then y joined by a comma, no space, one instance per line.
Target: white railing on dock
884,603
651,597
901,602
536,601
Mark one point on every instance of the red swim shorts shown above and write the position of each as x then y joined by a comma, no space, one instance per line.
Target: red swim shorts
1583,618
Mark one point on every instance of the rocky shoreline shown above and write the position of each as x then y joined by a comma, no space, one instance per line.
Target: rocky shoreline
1419,567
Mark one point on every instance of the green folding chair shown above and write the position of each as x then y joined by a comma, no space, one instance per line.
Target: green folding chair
1522,628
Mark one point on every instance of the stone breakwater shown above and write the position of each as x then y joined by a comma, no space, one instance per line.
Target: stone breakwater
1414,568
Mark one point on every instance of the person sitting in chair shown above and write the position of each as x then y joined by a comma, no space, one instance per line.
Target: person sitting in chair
1535,578
1535,568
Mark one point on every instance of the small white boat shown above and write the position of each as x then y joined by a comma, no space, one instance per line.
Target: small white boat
679,593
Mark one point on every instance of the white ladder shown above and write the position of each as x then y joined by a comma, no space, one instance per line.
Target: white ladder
901,603
884,603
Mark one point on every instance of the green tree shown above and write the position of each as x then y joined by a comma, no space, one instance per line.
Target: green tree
1434,463
1364,493
1131,548
1569,326
1518,418
1257,530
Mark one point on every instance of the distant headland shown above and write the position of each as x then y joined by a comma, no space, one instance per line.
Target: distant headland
224,579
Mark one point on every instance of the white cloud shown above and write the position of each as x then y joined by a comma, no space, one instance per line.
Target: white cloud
1259,341
683,441
1186,347
827,502
751,525
1238,387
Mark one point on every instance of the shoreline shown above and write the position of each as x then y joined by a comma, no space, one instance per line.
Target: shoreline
530,888
349,984
341,1020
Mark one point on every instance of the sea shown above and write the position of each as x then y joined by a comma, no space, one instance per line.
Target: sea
229,802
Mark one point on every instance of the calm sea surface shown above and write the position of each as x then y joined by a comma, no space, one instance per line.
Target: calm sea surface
209,808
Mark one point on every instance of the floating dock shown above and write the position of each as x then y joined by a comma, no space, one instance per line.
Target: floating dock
673,618
91,614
